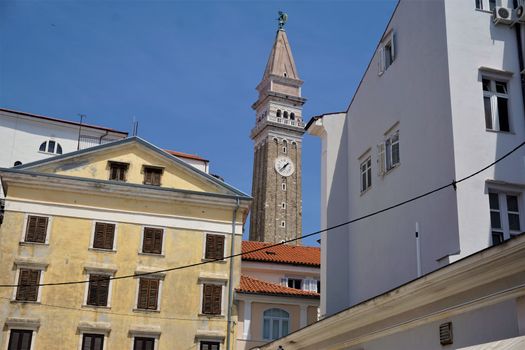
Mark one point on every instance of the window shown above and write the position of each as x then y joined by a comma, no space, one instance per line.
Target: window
104,235
292,116
210,345
152,176
214,247
318,286
17,163
283,223
148,294
142,343
486,4
92,341
285,144
36,229
152,240
211,299
366,174
388,153
275,324
98,290
504,216
386,53
117,171
28,280
283,186
50,147
278,113
20,339
285,115
495,103
295,283
283,205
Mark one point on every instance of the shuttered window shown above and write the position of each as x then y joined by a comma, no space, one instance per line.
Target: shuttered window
212,298
148,294
36,229
152,176
117,171
28,285
141,343
20,339
214,247
152,241
92,341
104,235
98,290
210,345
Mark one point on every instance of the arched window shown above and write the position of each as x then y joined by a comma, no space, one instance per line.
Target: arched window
285,144
292,116
278,113
17,163
50,147
285,115
275,324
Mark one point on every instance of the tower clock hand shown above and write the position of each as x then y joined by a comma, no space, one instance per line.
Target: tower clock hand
284,166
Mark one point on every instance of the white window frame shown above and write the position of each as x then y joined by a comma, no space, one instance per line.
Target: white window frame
503,212
47,147
24,228
94,331
115,236
226,243
389,41
162,252
221,283
385,151
160,278
22,327
271,318
493,96
367,171
98,271
29,266
485,5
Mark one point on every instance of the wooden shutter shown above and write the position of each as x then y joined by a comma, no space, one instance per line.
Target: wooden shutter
152,242
214,247
212,299
148,294
28,285
156,177
219,247
36,229
98,290
104,235
381,159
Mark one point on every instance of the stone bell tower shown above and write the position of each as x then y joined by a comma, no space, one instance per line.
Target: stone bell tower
277,135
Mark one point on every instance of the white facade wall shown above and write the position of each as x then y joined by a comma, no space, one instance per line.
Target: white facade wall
22,136
432,94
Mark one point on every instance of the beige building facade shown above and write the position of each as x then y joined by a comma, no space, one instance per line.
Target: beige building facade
119,222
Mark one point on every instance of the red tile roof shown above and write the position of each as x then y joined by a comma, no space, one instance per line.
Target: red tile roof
186,155
63,121
250,285
282,254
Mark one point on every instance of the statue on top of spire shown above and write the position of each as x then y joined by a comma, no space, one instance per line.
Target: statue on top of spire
283,17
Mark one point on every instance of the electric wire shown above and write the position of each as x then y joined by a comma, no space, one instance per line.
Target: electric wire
452,184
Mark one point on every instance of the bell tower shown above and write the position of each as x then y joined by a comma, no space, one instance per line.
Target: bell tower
277,136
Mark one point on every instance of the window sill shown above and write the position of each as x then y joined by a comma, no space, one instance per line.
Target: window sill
212,316
152,254
365,191
96,307
222,261
147,311
500,131
33,243
25,302
484,11
102,250
391,169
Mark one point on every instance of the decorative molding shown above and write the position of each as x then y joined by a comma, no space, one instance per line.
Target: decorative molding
96,327
23,322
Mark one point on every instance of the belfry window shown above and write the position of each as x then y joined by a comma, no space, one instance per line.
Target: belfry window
285,115
278,113
292,116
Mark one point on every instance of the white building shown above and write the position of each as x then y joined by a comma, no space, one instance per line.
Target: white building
29,137
440,99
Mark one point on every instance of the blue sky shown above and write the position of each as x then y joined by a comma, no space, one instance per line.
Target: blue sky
186,70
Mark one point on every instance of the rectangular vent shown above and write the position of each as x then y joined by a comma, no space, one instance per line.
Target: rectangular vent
445,333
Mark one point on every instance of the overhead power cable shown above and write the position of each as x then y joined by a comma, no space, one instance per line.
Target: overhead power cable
452,184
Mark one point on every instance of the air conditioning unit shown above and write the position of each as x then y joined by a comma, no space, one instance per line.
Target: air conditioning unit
520,14
502,15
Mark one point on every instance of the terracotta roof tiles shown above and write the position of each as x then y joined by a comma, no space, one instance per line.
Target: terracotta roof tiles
252,285
282,254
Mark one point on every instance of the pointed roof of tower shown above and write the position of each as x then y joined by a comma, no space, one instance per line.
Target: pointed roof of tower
281,59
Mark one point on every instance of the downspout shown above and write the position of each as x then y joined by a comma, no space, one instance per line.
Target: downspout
101,137
230,280
519,33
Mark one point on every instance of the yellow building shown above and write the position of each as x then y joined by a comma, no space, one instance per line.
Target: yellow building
125,210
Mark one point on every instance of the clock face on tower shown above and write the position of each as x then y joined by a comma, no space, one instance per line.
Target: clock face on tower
284,166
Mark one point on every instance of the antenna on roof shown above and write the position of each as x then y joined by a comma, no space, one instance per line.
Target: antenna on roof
135,127
82,116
